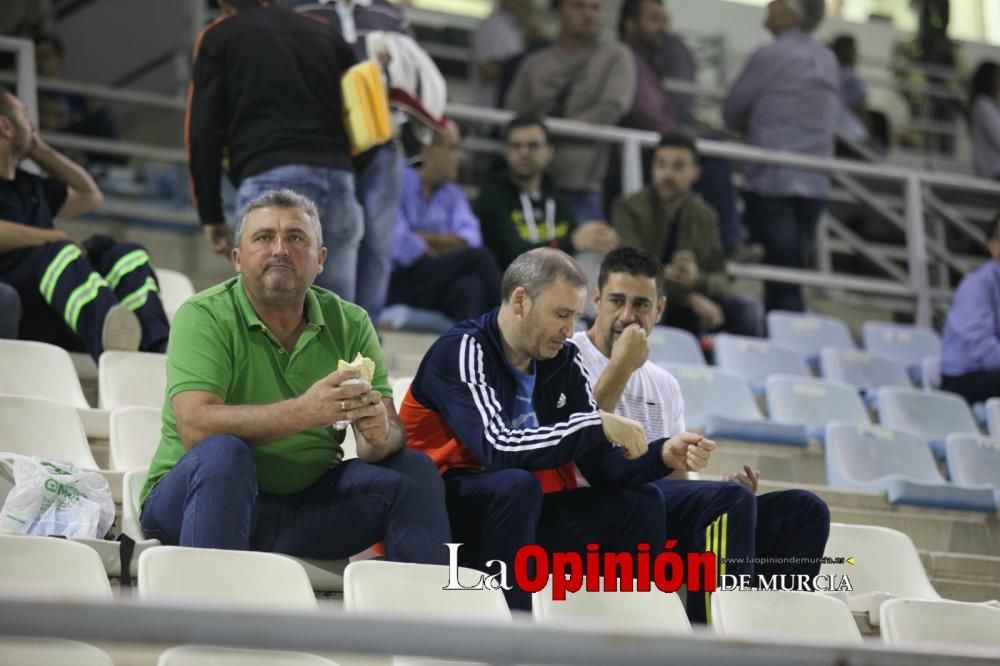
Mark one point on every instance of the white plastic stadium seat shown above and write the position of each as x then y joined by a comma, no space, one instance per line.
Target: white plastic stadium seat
400,386
755,359
653,611
175,288
808,333
761,613
993,416
40,370
904,343
954,622
813,403
135,434
51,568
224,578
865,372
132,379
51,652
974,461
197,655
933,415
886,565
415,590
674,345
35,426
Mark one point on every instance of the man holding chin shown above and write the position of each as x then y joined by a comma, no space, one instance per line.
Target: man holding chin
249,458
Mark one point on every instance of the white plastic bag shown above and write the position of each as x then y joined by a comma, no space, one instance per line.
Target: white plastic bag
52,498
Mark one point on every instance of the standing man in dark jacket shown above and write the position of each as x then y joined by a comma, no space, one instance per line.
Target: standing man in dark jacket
521,209
265,101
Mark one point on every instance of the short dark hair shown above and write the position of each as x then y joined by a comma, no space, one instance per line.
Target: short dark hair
843,47
525,121
680,141
537,269
634,261
630,10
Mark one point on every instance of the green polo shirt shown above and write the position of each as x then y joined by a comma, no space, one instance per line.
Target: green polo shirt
219,344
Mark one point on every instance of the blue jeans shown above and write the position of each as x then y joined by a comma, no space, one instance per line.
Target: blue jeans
340,215
210,500
10,312
379,189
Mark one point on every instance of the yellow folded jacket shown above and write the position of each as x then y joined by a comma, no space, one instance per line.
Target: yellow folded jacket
367,117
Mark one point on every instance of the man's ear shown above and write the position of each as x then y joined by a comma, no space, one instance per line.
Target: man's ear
519,301
235,256
661,306
597,297
322,257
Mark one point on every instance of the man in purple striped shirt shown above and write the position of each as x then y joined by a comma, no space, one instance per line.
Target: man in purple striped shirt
439,262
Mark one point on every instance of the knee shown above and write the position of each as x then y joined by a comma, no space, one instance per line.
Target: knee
224,457
813,512
517,489
417,467
735,496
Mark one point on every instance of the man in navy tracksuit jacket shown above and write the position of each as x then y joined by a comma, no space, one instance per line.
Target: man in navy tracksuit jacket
503,406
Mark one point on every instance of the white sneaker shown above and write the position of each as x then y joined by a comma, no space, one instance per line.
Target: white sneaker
122,331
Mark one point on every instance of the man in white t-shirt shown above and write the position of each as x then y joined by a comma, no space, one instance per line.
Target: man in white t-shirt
724,517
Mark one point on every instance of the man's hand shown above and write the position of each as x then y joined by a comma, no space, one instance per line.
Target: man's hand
371,419
631,349
687,451
594,236
219,237
683,268
709,314
749,477
626,433
329,400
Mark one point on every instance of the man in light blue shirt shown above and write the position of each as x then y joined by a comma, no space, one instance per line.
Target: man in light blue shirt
786,98
439,262
970,351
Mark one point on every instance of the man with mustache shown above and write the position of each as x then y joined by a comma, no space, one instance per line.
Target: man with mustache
724,517
672,220
249,458
502,405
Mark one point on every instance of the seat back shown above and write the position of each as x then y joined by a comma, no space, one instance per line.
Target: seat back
790,614
132,484
808,333
51,652
175,288
35,426
903,343
931,414
861,369
39,370
709,390
939,621
865,453
973,460
885,560
399,388
132,379
224,578
135,435
653,611
199,655
415,590
51,568
930,372
993,416
813,402
754,359
674,345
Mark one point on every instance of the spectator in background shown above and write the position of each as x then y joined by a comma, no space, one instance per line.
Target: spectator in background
577,78
266,94
439,262
670,220
786,98
853,95
498,38
984,118
520,209
970,346
642,26
674,60
379,170
10,312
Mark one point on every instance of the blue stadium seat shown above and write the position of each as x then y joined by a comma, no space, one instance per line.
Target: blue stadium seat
865,372
974,461
993,417
904,343
674,345
932,415
722,405
754,359
898,464
813,403
808,333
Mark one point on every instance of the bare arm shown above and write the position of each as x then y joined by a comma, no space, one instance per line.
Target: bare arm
83,195
14,236
442,242
375,443
201,414
628,354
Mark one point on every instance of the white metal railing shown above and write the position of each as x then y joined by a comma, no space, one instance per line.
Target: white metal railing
583,643
631,142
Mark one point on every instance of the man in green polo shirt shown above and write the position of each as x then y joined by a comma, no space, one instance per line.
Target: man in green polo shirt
249,457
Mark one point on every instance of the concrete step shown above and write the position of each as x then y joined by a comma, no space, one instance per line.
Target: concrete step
775,462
